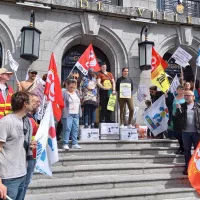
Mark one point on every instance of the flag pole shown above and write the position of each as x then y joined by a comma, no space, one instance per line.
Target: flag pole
195,77
71,71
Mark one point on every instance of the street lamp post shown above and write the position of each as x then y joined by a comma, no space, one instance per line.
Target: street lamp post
30,40
145,50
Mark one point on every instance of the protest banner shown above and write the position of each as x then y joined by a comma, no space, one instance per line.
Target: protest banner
175,83
142,92
181,57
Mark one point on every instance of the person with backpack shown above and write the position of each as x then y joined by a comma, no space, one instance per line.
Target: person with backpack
124,88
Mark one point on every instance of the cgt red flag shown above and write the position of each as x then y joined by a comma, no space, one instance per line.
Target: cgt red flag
194,169
53,90
88,60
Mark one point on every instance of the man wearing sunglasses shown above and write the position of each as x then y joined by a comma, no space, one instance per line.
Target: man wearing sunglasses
30,84
189,114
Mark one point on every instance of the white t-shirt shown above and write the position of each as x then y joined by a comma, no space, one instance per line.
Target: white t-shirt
191,126
74,103
13,155
3,90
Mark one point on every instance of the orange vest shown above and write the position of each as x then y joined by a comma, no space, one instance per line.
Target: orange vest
5,105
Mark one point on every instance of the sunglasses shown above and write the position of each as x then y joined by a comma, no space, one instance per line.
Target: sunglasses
188,95
35,73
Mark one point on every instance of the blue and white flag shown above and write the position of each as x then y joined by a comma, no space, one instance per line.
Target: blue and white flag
156,117
47,150
198,59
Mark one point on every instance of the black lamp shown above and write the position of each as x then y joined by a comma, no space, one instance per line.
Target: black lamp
30,40
145,50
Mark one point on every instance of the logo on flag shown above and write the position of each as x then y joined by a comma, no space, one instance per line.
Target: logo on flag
88,60
156,117
47,150
158,75
53,89
194,169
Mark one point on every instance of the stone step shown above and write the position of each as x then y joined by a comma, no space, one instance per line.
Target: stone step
188,198
118,144
116,151
138,193
121,158
105,182
112,169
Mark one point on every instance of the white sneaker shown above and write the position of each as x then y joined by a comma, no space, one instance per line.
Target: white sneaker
130,126
122,126
65,147
76,146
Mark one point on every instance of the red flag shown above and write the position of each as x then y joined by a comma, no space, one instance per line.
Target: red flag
194,169
88,60
157,60
53,90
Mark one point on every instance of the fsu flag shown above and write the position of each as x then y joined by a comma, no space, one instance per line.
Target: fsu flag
47,150
88,60
158,75
194,170
53,90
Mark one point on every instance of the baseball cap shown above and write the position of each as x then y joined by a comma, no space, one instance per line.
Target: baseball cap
5,71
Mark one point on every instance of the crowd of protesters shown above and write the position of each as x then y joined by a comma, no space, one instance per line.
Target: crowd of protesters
19,124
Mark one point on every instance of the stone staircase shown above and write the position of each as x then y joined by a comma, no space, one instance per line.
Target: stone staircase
140,170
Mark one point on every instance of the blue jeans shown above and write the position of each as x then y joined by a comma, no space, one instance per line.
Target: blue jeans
89,110
188,140
70,125
15,187
29,175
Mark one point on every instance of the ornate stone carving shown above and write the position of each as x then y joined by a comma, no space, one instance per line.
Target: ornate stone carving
90,23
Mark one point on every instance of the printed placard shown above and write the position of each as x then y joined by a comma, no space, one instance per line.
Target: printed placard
89,134
125,90
109,131
128,134
111,102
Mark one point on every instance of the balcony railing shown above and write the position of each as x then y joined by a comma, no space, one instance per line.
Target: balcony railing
192,7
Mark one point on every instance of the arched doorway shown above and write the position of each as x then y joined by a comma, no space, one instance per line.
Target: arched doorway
1,55
71,57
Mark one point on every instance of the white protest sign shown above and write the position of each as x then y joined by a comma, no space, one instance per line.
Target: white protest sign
39,91
181,57
142,92
13,64
175,83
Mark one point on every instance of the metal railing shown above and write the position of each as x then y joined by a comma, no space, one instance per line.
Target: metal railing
192,7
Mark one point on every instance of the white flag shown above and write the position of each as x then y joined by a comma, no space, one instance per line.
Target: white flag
181,57
13,64
156,117
47,150
198,59
175,83
142,92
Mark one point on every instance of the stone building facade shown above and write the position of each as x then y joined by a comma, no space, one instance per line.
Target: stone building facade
113,30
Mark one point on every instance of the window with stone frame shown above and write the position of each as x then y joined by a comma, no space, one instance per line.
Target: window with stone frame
192,7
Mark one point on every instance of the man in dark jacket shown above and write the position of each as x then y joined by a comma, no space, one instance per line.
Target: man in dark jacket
189,114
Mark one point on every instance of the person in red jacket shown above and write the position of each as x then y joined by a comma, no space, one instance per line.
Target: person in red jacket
5,92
